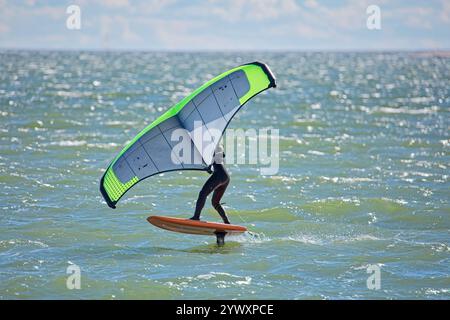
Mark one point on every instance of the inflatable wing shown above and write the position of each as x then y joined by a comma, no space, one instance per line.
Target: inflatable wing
211,107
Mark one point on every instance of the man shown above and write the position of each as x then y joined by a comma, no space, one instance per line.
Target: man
218,182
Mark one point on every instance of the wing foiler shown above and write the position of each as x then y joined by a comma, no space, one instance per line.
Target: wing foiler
209,109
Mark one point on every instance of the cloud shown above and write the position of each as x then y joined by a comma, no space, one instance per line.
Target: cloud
181,34
311,4
4,28
127,34
232,24
116,28
414,17
115,3
430,44
316,21
153,7
351,15
445,12
307,31
16,11
245,10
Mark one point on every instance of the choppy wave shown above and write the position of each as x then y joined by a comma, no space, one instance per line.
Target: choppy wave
363,179
402,110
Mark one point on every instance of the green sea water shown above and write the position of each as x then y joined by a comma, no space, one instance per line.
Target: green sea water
363,179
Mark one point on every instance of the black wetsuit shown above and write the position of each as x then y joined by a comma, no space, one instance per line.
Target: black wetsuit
218,182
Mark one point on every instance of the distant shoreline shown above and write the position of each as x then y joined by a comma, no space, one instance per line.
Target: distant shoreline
445,53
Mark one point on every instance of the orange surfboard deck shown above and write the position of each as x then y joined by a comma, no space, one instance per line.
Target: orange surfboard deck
194,226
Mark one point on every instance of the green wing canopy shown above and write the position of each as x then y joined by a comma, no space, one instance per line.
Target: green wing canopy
153,150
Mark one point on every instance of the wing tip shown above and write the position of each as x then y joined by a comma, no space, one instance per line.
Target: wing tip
109,202
268,72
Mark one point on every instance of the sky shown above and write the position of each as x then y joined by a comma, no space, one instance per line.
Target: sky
232,25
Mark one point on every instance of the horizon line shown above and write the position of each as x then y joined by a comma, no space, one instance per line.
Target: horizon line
312,50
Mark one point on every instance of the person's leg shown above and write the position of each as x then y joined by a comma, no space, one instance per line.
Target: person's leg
217,196
208,187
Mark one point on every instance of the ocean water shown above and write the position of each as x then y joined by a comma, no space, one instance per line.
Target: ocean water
363,179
